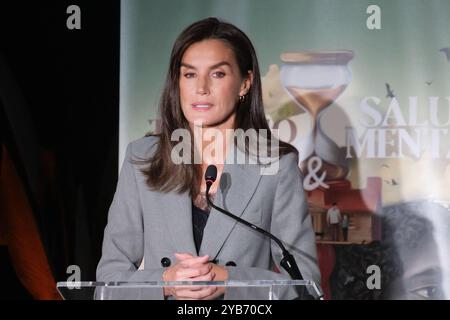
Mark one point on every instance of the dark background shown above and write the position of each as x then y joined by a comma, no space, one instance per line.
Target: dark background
63,133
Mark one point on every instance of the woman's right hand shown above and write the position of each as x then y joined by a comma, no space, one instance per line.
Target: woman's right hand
189,268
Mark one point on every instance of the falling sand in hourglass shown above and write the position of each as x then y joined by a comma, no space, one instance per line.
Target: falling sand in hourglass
314,79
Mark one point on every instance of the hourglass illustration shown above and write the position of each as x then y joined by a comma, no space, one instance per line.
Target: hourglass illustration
314,80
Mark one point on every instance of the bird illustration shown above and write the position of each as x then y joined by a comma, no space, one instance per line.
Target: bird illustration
391,182
390,92
447,53
428,82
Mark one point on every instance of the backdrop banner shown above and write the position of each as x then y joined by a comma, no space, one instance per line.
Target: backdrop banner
362,90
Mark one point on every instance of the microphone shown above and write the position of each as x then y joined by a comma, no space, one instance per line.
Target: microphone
288,262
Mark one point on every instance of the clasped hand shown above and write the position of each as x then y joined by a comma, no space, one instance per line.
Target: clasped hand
192,268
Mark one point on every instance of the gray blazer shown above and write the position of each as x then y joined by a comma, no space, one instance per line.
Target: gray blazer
155,225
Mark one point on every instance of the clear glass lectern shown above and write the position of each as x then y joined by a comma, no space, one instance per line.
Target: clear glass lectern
153,290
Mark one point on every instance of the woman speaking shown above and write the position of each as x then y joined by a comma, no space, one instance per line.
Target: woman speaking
160,225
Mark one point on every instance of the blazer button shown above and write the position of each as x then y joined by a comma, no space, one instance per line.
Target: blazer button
230,264
165,262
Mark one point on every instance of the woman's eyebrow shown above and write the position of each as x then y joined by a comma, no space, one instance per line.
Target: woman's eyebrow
222,63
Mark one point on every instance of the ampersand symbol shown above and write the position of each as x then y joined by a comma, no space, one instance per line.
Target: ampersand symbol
312,181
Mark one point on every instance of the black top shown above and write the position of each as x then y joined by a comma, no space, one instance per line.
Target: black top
199,219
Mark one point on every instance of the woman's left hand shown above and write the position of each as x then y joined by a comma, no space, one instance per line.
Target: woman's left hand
220,272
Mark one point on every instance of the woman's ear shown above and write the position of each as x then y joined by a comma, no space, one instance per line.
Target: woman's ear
246,84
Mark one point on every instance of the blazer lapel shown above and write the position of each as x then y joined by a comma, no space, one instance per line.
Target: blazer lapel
238,183
178,212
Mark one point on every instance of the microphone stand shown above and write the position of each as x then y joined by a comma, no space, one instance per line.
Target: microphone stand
288,262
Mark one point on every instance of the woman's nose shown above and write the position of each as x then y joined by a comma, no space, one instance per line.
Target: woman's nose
202,86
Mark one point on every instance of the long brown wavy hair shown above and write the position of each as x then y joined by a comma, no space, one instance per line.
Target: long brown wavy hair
162,174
